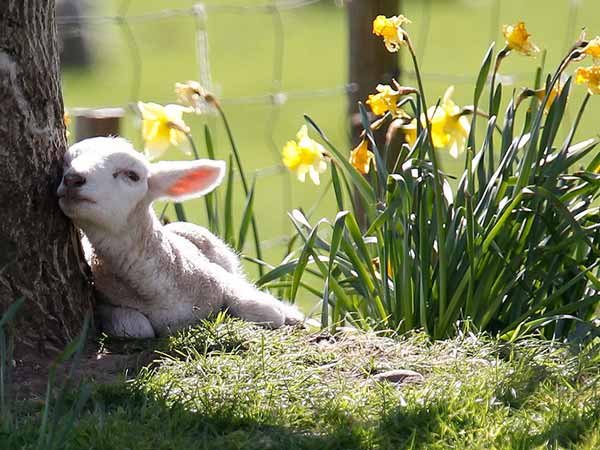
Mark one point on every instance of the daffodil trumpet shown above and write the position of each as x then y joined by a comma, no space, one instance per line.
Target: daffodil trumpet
162,127
390,29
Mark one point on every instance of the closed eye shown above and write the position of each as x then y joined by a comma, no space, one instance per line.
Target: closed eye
133,176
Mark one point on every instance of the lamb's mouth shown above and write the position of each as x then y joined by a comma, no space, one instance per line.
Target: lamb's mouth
74,199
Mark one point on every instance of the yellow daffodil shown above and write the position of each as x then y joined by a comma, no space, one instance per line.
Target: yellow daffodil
377,265
556,90
192,94
361,157
385,100
163,126
590,76
390,28
304,156
449,128
517,38
67,122
592,48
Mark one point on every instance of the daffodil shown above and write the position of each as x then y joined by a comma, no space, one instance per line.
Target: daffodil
449,127
303,156
517,38
590,76
361,157
592,48
377,265
385,100
67,121
192,94
163,126
554,93
390,28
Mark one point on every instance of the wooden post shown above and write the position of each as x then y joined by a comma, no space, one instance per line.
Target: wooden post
369,62
97,122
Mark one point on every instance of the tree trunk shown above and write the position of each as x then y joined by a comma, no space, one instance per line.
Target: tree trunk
40,259
370,64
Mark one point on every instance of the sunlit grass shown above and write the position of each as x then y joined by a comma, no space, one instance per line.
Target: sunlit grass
226,384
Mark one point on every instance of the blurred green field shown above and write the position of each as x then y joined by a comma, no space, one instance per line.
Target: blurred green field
451,35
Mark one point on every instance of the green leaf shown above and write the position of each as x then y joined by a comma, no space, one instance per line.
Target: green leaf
336,237
246,216
339,196
179,212
307,251
229,205
11,311
483,73
359,181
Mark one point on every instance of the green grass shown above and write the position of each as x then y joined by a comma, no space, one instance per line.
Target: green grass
229,385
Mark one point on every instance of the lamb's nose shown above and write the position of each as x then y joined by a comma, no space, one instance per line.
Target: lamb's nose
73,180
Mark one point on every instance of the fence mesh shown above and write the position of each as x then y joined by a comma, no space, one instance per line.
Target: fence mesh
200,15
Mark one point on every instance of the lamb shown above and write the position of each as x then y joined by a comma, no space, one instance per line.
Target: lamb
152,279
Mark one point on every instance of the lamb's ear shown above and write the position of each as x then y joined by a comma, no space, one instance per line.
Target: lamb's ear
182,180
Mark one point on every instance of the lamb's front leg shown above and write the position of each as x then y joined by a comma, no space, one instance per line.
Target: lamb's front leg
124,322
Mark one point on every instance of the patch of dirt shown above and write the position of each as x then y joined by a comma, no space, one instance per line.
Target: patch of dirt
28,376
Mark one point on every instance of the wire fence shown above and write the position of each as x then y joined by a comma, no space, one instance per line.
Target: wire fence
199,14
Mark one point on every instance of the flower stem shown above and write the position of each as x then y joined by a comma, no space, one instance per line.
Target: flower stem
238,162
193,145
208,199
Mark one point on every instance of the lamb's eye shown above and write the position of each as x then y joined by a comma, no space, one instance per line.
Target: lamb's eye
132,175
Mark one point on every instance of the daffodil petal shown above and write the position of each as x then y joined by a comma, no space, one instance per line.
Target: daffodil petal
302,133
314,175
155,148
180,140
301,172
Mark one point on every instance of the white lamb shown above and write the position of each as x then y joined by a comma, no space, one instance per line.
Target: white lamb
154,279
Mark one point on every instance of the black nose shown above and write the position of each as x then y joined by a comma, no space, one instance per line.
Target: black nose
73,180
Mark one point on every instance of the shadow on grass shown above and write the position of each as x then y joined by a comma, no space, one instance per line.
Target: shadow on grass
568,432
118,416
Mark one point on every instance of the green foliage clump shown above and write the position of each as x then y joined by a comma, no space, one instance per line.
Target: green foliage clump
512,248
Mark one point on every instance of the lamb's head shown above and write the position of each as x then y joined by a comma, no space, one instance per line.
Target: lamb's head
105,181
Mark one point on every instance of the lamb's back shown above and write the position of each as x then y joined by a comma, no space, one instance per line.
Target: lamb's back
211,247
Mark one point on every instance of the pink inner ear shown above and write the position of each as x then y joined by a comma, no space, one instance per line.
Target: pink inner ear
193,181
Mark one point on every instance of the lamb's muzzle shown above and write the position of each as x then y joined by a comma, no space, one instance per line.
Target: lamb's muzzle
151,279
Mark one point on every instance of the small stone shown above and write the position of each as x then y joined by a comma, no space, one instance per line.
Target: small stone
399,376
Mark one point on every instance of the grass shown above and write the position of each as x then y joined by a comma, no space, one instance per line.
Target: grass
228,385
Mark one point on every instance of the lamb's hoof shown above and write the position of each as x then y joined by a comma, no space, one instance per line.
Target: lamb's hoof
293,316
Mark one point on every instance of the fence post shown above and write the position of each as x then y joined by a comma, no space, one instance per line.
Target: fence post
369,61
97,122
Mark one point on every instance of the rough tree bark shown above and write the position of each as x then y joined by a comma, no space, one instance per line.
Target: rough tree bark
369,65
39,260
369,62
